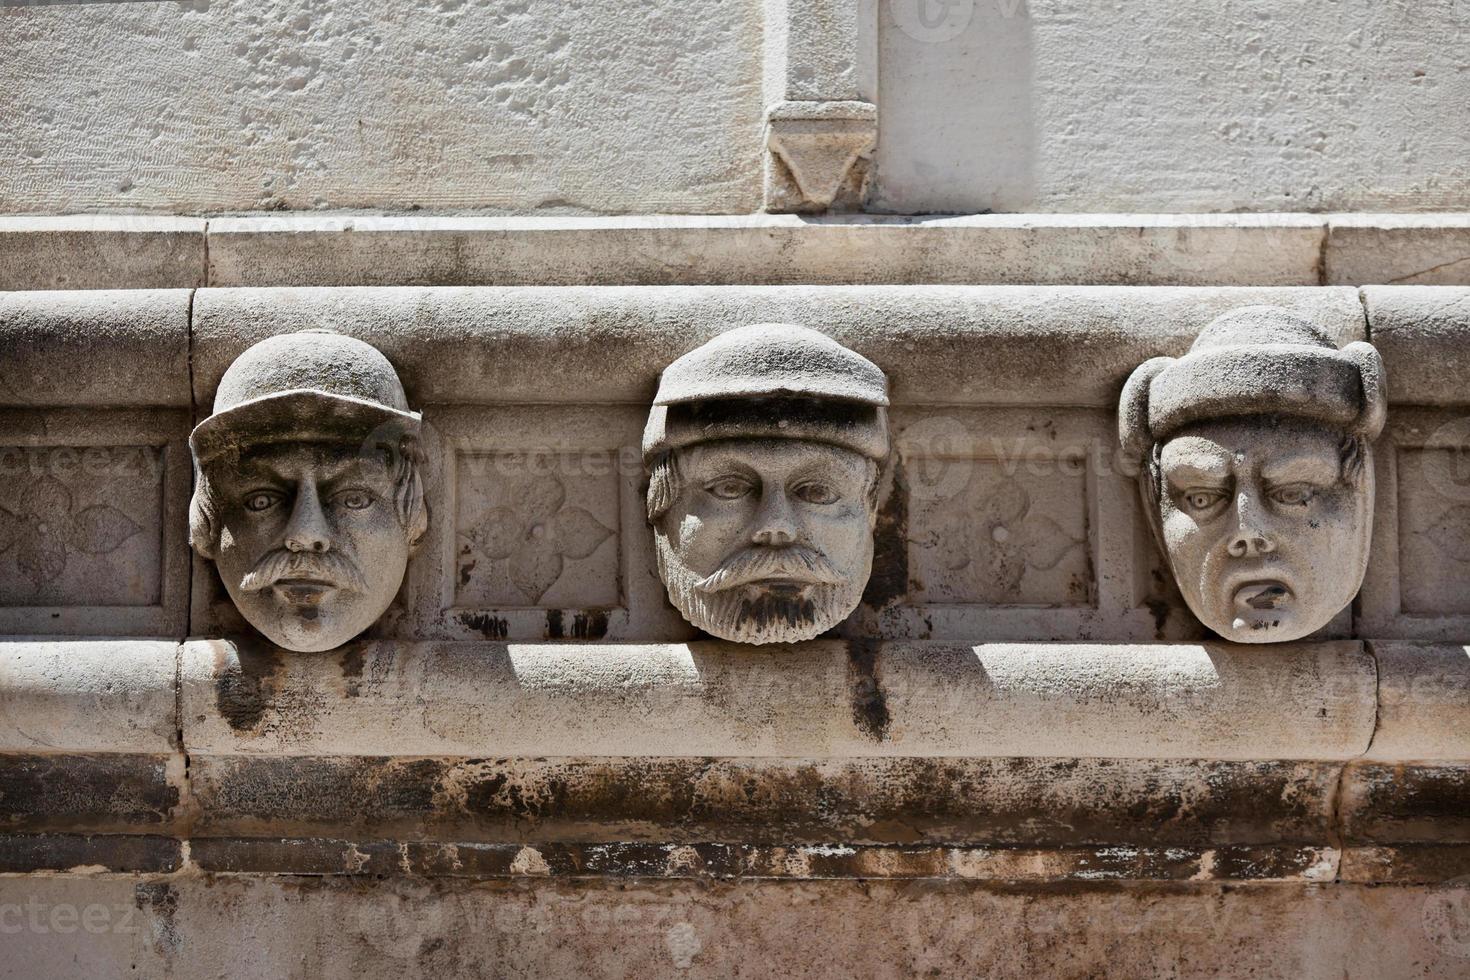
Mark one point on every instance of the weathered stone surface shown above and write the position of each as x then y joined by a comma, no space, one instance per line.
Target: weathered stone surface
187,928
947,345
1230,108
1256,469
1423,702
97,252
85,792
95,348
823,699
1035,803
1422,332
1407,249
1406,802
1100,249
110,853
87,696
299,105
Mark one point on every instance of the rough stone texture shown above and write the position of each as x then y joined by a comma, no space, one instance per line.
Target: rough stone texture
597,107
1143,250
998,345
82,252
95,347
825,699
1423,698
1422,332
1040,106
1407,249
188,927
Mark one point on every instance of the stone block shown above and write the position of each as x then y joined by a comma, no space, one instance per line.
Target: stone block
1098,249
1406,803
109,853
114,348
1423,702
1422,331
101,252
1398,249
822,699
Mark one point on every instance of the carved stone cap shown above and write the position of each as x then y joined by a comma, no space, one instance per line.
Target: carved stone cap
313,386
1259,360
771,380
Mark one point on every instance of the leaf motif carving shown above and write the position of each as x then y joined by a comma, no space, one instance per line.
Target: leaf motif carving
1046,543
40,558
576,533
101,528
534,570
1451,533
499,533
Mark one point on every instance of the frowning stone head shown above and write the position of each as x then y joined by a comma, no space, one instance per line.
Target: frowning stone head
307,490
764,449
1256,472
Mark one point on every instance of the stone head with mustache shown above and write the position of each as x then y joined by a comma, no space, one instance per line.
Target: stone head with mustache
764,450
307,490
1256,470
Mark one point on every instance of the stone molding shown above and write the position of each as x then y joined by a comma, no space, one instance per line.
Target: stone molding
126,252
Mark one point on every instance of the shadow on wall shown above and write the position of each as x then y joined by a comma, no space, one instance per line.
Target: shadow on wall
940,153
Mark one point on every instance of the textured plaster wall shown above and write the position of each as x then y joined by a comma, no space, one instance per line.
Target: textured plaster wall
1156,105
221,105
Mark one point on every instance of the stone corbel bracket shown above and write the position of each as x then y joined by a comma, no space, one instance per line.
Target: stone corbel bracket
819,155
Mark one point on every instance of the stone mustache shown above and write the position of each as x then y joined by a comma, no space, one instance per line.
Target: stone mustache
764,450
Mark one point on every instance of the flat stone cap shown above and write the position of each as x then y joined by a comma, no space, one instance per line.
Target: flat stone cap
772,360
771,381
1258,360
312,386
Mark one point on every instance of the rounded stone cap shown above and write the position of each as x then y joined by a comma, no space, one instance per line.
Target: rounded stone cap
772,360
312,386
1258,360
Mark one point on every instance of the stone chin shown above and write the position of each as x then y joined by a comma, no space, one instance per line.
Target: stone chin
756,613
1267,610
307,624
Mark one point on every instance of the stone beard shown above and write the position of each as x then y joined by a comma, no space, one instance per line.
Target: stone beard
1266,522
311,540
764,541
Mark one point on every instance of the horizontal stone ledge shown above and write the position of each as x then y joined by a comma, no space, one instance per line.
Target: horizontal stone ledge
112,793
1406,864
1099,249
989,802
1404,803
101,252
80,696
106,347
1408,249
946,345
1423,702
1423,333
825,699
89,853
387,858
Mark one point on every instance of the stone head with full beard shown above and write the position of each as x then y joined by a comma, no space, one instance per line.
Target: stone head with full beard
764,449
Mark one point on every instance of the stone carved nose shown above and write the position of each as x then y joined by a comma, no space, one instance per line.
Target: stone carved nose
1250,543
775,525
307,529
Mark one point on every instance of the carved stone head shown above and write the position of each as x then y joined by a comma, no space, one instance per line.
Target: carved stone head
307,491
764,449
1256,470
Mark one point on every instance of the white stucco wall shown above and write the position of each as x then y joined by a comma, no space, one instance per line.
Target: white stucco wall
220,105
1162,105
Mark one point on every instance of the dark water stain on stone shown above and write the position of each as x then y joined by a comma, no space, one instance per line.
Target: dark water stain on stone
553,624
490,627
159,899
1159,609
869,704
352,662
242,693
464,573
890,578
590,625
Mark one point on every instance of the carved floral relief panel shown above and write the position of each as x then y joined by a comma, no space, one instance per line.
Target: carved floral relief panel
1434,530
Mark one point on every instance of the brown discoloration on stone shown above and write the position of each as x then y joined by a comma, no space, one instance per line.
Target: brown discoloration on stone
132,853
84,792
1406,803
869,706
999,802
589,625
352,661
244,687
490,627
553,624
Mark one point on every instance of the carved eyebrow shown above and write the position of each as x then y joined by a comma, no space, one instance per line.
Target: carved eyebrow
1308,467
1197,471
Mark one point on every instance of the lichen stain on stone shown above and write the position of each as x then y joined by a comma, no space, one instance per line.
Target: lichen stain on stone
889,580
244,688
160,899
869,704
589,625
490,627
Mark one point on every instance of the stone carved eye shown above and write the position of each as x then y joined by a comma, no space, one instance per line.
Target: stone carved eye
1203,499
261,500
816,493
1293,494
729,488
354,499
